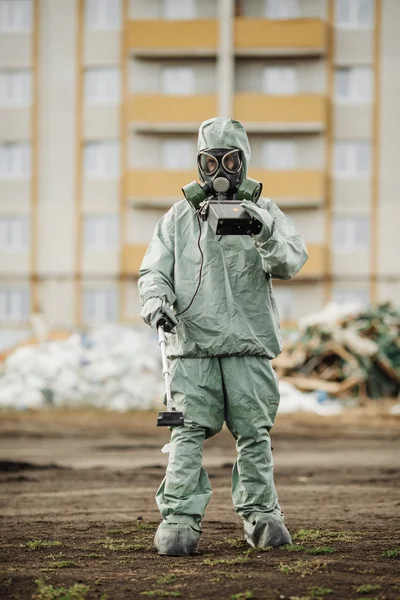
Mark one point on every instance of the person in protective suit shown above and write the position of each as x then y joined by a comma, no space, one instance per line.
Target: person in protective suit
221,346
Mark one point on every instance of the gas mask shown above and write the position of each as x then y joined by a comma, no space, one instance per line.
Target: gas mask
221,170
221,173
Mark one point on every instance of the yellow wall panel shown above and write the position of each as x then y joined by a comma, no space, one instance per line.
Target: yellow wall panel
156,183
296,33
299,108
166,35
291,184
157,108
316,264
132,256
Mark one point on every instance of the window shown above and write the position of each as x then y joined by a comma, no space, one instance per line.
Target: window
100,305
101,231
15,88
177,80
178,9
352,159
177,154
15,15
282,9
15,160
351,234
355,13
279,154
14,234
353,84
351,296
14,304
102,160
285,302
280,80
103,14
102,85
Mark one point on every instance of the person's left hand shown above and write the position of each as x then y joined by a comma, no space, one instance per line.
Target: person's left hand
262,215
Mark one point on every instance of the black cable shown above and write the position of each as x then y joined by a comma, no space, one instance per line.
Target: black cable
201,268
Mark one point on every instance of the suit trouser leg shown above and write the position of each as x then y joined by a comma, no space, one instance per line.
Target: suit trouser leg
251,400
197,391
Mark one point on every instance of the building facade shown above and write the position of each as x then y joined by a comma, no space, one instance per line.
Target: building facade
100,103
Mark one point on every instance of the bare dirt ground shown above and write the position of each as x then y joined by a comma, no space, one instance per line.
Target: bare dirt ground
77,511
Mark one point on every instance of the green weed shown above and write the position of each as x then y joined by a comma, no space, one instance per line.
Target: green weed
303,567
118,531
321,550
142,526
225,561
78,591
166,579
319,592
292,548
39,544
366,588
309,535
63,564
391,553
242,595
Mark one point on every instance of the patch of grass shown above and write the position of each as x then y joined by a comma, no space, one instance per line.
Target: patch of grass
366,588
93,555
166,579
310,535
303,567
319,592
225,561
236,542
292,548
39,544
77,591
161,594
321,550
247,595
118,531
391,553
142,526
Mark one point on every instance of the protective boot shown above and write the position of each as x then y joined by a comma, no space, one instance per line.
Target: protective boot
266,530
176,539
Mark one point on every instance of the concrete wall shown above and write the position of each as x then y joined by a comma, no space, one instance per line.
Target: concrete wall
145,150
15,50
389,156
310,149
57,141
15,124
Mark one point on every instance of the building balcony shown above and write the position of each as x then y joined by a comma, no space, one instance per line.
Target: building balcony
158,37
290,189
299,112
262,37
158,112
316,266
132,256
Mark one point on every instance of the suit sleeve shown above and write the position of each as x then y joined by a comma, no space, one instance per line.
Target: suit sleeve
284,253
156,274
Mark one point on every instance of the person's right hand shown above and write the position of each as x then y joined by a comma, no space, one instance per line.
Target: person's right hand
156,309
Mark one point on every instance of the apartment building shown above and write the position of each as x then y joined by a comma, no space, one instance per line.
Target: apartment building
100,103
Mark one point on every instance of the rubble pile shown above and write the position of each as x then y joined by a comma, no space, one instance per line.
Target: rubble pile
345,350
112,367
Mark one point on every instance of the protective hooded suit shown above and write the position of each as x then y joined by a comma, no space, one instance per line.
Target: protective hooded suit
220,352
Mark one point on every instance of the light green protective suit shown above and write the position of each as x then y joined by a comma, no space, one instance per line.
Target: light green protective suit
223,343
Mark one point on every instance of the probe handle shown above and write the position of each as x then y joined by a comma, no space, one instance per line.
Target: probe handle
165,367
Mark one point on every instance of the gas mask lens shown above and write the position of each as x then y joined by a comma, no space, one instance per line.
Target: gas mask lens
208,163
232,162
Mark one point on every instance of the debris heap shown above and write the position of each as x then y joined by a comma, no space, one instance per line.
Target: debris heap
345,350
